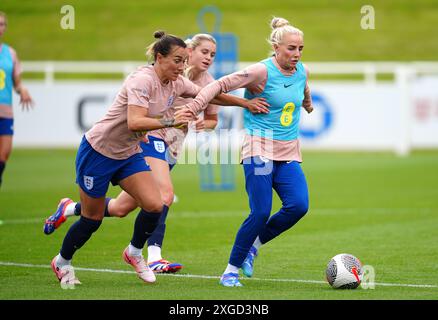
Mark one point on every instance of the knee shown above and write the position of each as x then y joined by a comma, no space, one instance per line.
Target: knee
153,207
4,156
167,197
260,216
298,209
123,211
120,210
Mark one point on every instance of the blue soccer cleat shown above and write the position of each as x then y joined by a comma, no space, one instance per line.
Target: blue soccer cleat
230,280
248,264
55,220
164,266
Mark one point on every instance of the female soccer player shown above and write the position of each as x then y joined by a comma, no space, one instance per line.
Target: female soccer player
110,152
9,78
271,151
167,69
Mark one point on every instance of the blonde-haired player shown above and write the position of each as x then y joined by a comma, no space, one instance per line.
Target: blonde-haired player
271,150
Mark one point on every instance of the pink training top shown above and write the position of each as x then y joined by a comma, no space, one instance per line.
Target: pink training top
173,137
254,79
6,110
110,136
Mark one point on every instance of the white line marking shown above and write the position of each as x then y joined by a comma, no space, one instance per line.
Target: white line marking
26,265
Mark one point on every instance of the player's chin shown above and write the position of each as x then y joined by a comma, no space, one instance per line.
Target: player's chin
174,76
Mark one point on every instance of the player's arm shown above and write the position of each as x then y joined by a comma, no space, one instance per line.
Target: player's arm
242,79
138,119
256,105
307,102
25,98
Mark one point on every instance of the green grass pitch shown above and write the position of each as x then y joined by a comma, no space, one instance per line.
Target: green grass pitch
379,207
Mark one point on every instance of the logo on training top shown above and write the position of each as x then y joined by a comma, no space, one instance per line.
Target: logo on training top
88,182
159,146
170,100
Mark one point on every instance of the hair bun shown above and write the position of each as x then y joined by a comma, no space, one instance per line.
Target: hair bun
279,22
159,34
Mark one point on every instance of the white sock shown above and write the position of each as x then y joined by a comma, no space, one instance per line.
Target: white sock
133,251
154,253
70,210
257,244
60,261
231,268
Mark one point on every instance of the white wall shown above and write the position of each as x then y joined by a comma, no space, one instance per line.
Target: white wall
348,115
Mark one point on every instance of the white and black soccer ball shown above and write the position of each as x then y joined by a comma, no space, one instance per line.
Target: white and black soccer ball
344,271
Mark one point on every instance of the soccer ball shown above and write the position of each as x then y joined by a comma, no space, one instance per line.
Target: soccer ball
344,271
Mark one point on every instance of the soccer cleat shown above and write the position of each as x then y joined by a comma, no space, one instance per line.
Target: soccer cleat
248,264
230,280
55,220
65,275
140,266
164,266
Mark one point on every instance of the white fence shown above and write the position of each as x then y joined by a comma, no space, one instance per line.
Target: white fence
356,115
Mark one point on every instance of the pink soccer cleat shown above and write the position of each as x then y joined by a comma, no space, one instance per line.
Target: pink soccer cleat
140,266
65,275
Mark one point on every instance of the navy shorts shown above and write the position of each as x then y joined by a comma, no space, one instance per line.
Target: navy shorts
157,148
6,127
95,171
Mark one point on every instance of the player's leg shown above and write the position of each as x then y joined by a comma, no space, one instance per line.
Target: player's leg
5,144
93,175
258,178
79,232
142,187
161,174
291,186
118,207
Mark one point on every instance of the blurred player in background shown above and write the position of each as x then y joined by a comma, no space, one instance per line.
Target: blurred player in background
161,149
271,150
9,78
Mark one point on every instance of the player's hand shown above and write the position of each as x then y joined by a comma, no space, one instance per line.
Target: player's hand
183,111
309,109
182,117
200,125
258,105
25,99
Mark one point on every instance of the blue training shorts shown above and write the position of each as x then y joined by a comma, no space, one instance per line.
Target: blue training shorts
6,127
157,148
95,171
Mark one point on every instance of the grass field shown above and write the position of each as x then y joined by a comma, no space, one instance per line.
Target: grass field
379,207
121,30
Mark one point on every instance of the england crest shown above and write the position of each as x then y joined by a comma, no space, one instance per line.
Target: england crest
159,146
88,182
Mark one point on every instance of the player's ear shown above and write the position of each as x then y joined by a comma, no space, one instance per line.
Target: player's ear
159,57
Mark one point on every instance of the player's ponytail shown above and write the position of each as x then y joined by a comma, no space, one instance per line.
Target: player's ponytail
163,45
277,22
280,27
